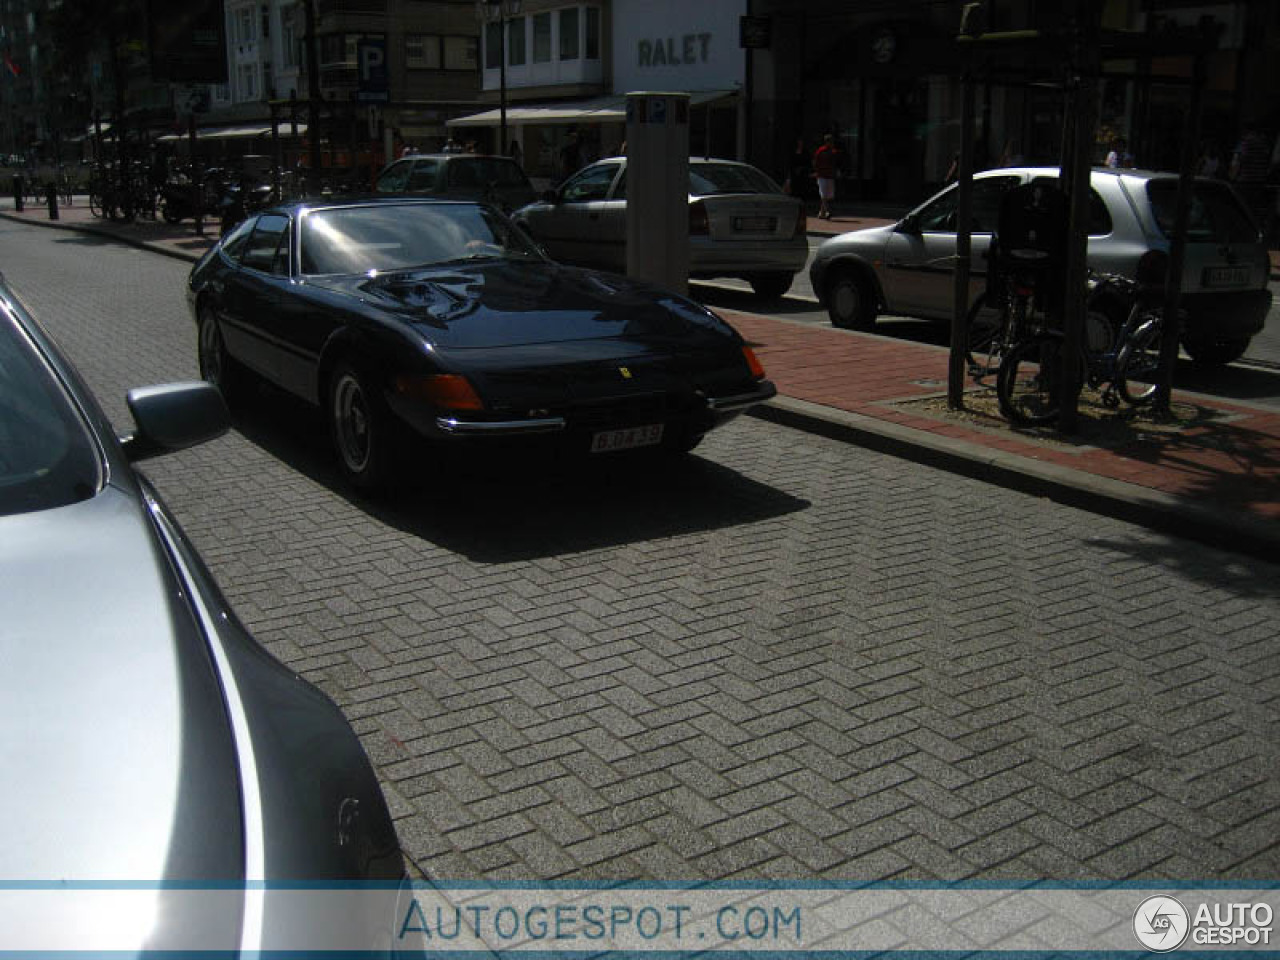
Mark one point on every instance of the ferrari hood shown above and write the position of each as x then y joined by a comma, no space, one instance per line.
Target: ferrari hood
118,760
495,302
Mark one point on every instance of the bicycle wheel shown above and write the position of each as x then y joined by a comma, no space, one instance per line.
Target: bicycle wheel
985,329
1138,363
95,202
1029,384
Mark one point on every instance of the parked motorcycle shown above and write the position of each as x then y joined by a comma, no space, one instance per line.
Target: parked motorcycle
241,197
182,197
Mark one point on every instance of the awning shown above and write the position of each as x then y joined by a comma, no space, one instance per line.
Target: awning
285,129
599,110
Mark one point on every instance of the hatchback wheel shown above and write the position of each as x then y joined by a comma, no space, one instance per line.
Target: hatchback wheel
850,301
1213,353
771,286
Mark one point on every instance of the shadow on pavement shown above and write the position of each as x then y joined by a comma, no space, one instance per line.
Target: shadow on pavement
500,508
748,302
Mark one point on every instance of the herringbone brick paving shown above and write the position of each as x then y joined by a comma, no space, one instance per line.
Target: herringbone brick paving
791,658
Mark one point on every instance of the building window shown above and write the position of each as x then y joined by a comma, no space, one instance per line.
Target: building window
244,25
422,51
266,22
248,82
288,44
460,53
593,33
515,42
492,46
542,38
569,34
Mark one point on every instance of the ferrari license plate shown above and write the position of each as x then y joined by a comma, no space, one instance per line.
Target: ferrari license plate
1226,276
754,224
606,441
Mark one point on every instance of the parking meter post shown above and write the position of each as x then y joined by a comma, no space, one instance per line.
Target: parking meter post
658,185
17,192
51,197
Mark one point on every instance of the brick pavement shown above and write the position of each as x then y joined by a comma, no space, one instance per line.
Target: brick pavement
796,658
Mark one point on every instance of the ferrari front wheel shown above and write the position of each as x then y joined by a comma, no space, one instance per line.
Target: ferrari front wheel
361,428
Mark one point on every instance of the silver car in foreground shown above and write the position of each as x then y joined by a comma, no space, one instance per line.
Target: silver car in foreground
147,740
906,268
741,224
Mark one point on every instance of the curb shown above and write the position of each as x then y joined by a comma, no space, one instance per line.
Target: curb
1117,499
106,233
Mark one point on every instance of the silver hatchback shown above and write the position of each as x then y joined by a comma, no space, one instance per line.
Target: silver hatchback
906,268
741,224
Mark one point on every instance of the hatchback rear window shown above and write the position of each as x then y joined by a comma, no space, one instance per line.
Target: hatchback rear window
706,179
486,170
1217,216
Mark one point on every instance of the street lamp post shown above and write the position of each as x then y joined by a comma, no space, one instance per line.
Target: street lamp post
497,11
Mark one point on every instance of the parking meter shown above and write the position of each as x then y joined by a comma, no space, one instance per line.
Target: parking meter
658,185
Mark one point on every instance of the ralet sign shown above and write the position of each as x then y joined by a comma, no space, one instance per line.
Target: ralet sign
691,48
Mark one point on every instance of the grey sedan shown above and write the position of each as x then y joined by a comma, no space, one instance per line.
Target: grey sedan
906,268
741,224
146,737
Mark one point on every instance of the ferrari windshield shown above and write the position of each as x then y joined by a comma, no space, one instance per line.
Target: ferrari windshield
397,236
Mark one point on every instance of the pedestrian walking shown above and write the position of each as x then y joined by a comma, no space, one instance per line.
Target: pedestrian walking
824,171
799,171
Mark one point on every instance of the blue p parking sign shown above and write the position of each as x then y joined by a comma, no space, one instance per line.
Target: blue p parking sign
374,78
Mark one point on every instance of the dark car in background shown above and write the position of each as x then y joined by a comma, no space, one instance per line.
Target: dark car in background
459,176
741,224
146,737
411,321
906,268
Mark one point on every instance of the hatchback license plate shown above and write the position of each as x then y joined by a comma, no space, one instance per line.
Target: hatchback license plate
1226,276
754,224
606,441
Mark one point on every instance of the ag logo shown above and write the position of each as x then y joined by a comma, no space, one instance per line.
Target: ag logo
1161,924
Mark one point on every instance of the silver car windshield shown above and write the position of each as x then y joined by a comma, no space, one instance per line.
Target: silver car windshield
47,457
386,237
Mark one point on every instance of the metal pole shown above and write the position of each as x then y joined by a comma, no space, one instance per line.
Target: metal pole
964,258
502,84
1077,246
1178,245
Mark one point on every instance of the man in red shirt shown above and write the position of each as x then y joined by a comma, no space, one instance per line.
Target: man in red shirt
824,170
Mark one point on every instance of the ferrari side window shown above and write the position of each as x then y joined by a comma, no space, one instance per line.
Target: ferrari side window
260,250
280,264
233,245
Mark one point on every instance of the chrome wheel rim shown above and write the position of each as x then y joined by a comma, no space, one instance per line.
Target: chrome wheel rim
351,423
211,351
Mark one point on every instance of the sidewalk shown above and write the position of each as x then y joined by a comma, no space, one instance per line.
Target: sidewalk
1213,474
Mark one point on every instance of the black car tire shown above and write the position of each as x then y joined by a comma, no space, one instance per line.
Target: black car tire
170,213
851,303
361,428
770,286
1215,353
216,365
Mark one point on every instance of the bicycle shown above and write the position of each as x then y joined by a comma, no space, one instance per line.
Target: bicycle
1029,383
997,321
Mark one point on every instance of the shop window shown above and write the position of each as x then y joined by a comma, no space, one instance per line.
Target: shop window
492,46
515,42
460,53
422,51
542,38
593,33
569,34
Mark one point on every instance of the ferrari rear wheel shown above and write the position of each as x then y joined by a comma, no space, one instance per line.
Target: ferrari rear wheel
216,366
361,427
